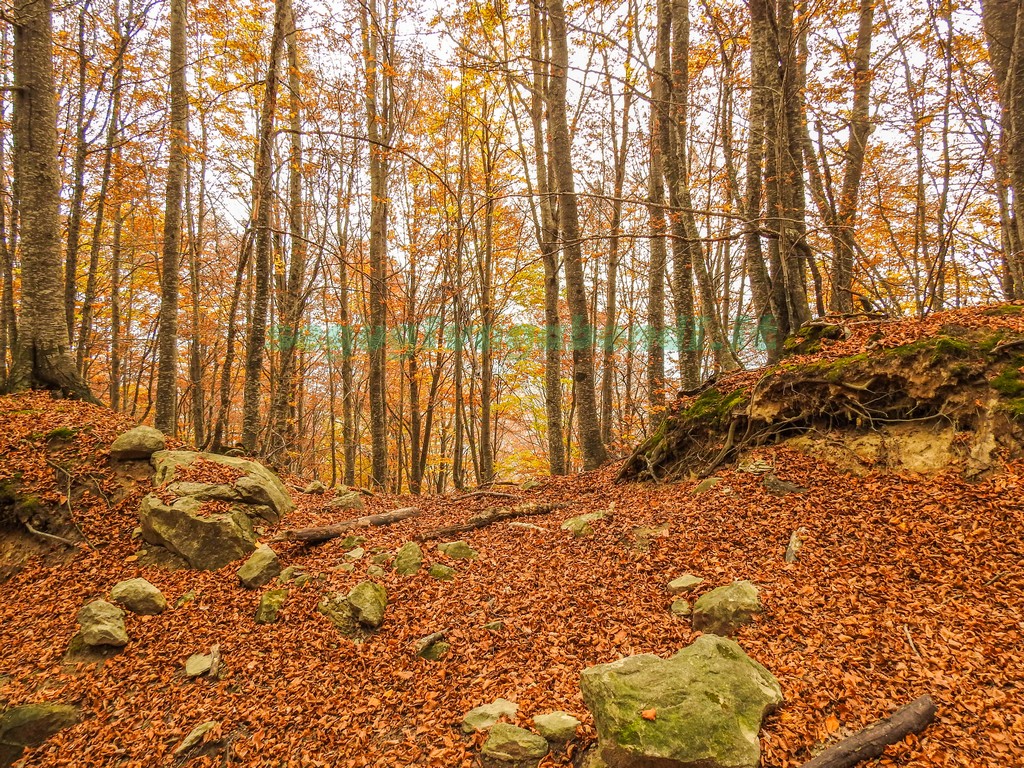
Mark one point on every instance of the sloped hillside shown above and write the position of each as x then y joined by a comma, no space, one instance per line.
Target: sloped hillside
904,584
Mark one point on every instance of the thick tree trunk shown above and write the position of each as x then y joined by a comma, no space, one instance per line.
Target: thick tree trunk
257,337
592,448
167,337
43,358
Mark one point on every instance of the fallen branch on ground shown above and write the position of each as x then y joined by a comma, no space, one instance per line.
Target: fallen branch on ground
489,517
50,536
872,741
325,533
496,494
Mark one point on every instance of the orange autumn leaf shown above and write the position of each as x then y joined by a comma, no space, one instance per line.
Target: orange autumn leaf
649,714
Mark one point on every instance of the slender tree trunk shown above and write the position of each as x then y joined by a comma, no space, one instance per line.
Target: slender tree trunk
197,238
167,343
659,259
77,206
377,115
547,236
257,337
115,309
860,129
592,448
293,299
43,358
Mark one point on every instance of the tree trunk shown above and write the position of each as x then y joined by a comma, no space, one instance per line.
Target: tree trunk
292,301
257,337
43,358
592,448
167,342
659,259
377,114
547,236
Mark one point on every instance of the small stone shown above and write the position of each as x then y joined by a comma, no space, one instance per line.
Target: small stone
291,573
705,485
557,727
724,610
580,526
409,558
509,746
530,484
435,651
442,572
198,664
458,550
271,603
138,443
347,501
139,596
102,624
260,569
195,737
680,608
315,487
301,580
494,626
355,554
685,583
381,558
483,717
347,567
185,599
375,572
368,601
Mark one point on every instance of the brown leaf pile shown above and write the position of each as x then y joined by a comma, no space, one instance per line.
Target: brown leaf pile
904,585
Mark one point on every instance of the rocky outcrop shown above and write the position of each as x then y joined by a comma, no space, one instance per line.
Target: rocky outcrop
139,596
207,542
724,610
178,518
702,707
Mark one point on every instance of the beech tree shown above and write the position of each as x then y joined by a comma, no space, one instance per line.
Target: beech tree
42,358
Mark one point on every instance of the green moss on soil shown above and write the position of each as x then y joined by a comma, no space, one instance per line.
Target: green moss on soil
1004,310
1009,382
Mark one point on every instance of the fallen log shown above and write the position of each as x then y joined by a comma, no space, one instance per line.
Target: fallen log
489,517
325,533
872,741
495,494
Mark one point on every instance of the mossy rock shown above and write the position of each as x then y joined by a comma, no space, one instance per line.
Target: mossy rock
271,603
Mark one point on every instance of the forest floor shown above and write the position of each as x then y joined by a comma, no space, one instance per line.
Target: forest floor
905,585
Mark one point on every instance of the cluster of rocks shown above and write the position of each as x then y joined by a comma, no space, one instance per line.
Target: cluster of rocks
178,517
510,746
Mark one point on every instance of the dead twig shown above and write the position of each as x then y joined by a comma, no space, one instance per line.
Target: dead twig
50,536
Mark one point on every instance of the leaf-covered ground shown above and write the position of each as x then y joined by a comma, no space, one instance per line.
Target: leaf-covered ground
904,586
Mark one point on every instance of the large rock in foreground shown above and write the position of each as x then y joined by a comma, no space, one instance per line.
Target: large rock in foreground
207,542
508,746
30,725
138,443
102,624
702,708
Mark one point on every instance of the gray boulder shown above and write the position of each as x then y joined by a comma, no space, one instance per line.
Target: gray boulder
458,550
704,707
442,572
508,746
368,601
139,596
261,568
724,610
557,727
138,443
409,558
207,542
102,624
483,717
29,725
